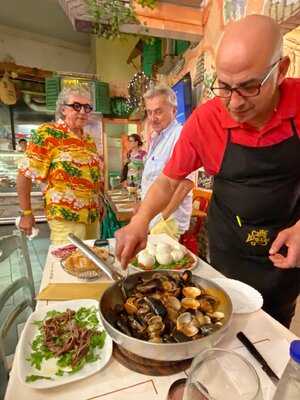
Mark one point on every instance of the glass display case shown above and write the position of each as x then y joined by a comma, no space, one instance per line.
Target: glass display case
9,203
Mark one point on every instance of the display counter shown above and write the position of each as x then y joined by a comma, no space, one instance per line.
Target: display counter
9,203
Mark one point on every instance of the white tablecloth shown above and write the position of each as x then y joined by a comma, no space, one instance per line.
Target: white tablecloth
116,382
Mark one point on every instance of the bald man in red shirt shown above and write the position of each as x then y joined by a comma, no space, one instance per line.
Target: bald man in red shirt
248,138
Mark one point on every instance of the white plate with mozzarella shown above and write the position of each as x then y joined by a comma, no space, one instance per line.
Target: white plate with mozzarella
163,252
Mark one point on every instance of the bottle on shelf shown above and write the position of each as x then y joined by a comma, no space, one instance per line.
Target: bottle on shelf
289,385
131,182
131,187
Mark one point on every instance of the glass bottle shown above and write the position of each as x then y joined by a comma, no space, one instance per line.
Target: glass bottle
131,182
289,385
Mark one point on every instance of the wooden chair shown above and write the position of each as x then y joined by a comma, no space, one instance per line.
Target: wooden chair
201,200
190,239
8,245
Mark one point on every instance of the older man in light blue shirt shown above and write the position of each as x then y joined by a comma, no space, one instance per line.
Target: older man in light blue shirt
161,106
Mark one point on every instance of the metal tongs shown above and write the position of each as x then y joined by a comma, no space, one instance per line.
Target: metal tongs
101,264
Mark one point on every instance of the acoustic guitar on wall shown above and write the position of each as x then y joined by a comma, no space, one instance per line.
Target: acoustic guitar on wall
7,90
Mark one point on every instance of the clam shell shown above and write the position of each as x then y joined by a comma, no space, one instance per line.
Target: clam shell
190,302
191,291
183,319
189,330
172,302
130,306
218,315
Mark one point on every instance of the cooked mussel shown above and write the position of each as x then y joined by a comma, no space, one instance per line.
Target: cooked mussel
156,306
168,308
149,286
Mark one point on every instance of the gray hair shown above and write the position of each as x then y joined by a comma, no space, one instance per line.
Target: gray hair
162,90
64,96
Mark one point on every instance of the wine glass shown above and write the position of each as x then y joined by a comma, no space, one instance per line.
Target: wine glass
218,374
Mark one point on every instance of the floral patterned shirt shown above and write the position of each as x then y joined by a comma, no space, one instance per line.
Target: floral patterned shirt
70,166
136,166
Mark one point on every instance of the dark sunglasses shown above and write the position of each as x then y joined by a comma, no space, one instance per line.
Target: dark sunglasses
78,106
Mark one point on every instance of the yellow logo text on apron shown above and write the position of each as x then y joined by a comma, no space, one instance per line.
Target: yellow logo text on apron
258,237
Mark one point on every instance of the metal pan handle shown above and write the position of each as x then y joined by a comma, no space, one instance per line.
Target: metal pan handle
115,275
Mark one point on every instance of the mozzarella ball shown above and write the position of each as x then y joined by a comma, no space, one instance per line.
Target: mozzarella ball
181,248
151,248
163,248
177,255
146,259
164,258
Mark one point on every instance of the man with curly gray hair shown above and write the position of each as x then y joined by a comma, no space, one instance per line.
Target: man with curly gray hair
64,157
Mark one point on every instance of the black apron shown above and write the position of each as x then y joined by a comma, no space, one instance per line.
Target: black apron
256,194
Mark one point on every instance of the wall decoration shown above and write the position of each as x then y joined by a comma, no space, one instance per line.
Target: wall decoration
233,9
219,13
178,67
120,107
138,85
281,10
209,78
291,47
7,90
200,69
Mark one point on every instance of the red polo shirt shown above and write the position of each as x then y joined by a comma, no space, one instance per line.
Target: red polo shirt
204,136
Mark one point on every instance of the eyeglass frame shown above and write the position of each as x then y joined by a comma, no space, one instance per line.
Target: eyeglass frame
236,89
84,106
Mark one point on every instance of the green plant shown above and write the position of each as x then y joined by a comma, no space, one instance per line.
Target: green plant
147,3
109,15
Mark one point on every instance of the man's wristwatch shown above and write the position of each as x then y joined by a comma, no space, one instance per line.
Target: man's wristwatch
25,213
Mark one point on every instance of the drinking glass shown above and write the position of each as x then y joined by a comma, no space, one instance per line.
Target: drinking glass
218,374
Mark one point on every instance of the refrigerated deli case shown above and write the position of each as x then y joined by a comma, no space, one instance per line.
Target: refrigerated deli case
9,203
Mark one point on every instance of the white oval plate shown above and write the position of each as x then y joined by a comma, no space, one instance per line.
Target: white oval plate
30,331
245,299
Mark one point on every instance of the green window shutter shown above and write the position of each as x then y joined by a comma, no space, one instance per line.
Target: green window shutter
151,54
52,91
102,97
181,46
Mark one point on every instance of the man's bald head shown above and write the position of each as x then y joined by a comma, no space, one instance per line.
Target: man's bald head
253,40
250,69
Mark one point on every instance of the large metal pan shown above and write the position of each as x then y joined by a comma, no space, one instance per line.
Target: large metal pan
157,351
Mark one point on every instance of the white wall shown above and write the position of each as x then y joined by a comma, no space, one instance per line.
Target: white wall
33,50
111,56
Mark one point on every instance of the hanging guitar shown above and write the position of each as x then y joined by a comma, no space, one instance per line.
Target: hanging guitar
7,90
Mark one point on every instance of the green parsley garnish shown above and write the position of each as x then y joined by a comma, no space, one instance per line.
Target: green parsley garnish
84,318
33,378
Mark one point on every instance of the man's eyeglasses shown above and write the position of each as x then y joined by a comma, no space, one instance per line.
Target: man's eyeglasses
78,106
250,90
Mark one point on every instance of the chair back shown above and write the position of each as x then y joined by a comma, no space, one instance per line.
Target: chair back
201,200
8,245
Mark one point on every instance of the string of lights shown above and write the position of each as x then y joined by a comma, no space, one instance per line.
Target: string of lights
138,85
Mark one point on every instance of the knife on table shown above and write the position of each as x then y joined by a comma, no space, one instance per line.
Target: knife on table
254,352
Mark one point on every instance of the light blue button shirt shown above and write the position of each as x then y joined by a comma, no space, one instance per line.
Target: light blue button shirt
159,153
